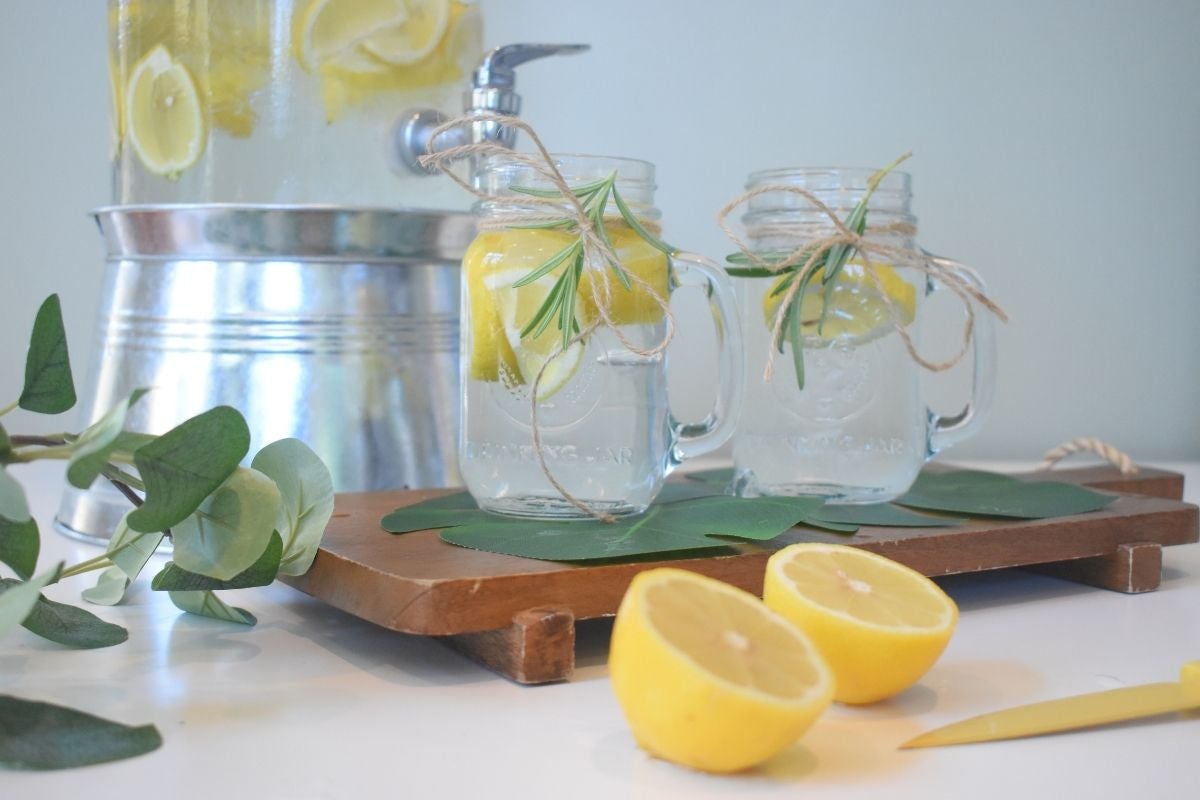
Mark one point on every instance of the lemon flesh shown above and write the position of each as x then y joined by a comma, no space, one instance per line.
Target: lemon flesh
363,48
415,37
515,307
857,308
498,259
879,625
226,46
332,30
708,676
164,118
490,357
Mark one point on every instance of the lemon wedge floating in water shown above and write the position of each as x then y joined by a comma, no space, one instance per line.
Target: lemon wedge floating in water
164,118
857,310
332,32
500,311
227,46
635,305
369,37
515,307
415,37
710,677
879,625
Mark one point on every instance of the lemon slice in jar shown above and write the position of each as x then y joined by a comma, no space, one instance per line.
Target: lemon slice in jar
637,304
163,117
515,307
710,677
857,310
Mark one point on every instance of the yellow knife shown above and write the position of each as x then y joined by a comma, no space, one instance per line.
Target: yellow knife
1072,713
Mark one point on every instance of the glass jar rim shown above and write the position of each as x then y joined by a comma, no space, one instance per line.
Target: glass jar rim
845,177
637,170
635,177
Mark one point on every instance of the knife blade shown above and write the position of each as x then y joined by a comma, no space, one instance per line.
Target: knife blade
1071,713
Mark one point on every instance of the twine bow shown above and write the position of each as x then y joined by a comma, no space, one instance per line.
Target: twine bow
959,278
525,210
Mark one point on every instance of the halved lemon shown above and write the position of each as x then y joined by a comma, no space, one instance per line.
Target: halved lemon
164,118
857,309
879,625
708,676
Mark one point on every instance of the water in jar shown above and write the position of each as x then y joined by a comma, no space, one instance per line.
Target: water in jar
602,410
856,432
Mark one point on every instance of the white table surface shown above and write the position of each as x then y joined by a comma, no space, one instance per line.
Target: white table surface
313,703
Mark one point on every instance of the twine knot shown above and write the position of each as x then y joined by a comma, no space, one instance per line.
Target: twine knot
508,211
873,246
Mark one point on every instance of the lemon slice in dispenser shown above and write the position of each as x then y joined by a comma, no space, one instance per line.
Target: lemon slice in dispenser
330,32
163,115
413,39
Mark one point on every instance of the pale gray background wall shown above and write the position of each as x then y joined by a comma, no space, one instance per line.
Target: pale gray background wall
1057,149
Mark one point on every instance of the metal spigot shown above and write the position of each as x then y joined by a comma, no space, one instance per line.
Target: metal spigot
491,93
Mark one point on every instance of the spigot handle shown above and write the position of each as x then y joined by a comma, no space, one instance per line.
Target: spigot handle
491,93
496,70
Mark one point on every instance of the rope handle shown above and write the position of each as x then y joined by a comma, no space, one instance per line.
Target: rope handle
1090,444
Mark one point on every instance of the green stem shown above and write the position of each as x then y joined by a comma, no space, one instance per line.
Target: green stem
114,473
10,407
45,440
59,452
99,562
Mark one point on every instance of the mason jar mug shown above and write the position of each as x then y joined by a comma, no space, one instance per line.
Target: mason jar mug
847,419
599,437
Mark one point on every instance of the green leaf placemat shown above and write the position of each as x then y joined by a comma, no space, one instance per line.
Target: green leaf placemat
883,515
671,528
697,515
989,494
440,512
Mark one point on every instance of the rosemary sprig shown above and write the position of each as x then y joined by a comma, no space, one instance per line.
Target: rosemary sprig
829,264
559,305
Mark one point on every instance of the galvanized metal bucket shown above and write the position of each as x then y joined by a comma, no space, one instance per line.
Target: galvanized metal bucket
335,325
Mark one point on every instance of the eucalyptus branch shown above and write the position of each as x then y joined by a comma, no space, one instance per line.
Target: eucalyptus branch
92,564
124,489
54,440
55,452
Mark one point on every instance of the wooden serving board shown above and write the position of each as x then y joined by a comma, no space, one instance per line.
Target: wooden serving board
517,615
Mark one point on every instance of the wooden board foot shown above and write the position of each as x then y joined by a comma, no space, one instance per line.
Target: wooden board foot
539,646
1136,567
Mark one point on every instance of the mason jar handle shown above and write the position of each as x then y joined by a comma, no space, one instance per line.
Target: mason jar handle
691,439
949,430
